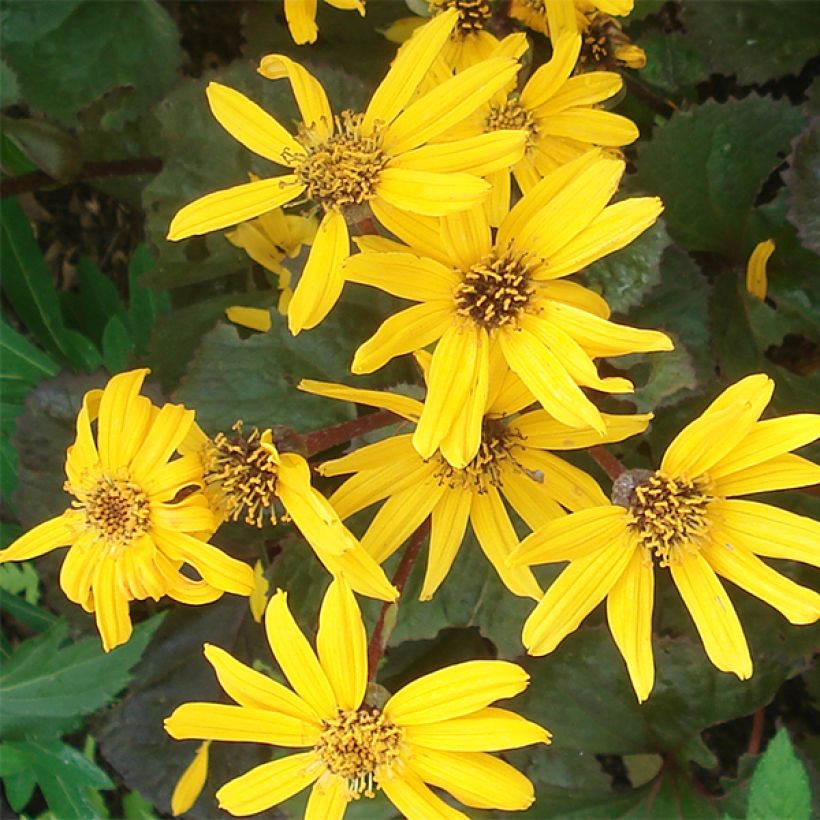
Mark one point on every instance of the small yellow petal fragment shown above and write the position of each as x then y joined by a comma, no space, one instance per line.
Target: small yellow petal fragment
190,784
259,596
756,278
253,318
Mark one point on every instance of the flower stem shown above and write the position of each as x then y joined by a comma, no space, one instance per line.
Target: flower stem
606,461
758,721
320,440
378,639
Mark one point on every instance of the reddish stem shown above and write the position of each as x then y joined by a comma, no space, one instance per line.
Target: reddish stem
376,647
756,737
367,225
606,461
320,440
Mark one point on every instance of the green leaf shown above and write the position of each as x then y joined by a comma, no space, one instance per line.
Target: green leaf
45,678
89,308
9,85
116,345
756,40
31,616
136,807
145,305
673,64
780,785
22,361
709,163
98,49
20,578
49,147
25,22
19,788
803,183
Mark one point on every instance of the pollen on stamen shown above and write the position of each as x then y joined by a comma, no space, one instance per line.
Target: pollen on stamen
512,115
473,15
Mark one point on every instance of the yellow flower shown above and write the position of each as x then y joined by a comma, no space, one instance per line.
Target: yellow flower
127,533
344,163
483,295
437,729
268,239
756,277
301,17
513,463
192,781
246,474
558,113
684,517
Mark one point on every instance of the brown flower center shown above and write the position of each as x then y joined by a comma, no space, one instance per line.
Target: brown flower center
117,509
496,291
667,514
602,37
514,116
342,170
356,744
472,14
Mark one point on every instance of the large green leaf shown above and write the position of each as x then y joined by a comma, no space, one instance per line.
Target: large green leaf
780,785
803,182
709,163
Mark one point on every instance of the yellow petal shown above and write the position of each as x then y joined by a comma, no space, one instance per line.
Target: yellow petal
498,202
629,613
479,155
254,690
403,332
421,233
498,540
253,318
310,96
738,565
191,782
779,473
193,514
124,419
572,293
321,282
597,127
77,571
230,206
402,406
409,794
300,16
271,783
467,237
361,571
574,594
475,779
45,537
449,525
543,432
402,274
713,613
455,691
566,483
246,122
328,798
525,493
547,80
430,193
82,454
169,429
581,90
342,645
110,605
561,17
756,279
373,456
296,659
408,69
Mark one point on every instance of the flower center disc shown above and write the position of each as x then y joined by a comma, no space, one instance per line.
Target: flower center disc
514,116
355,744
495,291
245,475
669,515
118,510
344,169
472,14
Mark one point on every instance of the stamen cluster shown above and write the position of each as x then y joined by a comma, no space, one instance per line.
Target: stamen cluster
601,38
355,744
512,115
117,509
472,14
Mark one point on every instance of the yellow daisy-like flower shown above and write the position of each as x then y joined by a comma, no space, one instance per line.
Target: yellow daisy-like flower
757,280
301,17
268,240
346,162
480,294
559,114
246,474
513,463
436,730
127,533
684,517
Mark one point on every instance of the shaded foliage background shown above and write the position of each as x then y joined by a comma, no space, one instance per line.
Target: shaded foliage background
101,144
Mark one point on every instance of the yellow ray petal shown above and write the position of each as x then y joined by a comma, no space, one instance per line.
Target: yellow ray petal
768,439
547,80
110,605
498,202
419,232
449,103
361,571
246,122
190,784
756,280
597,127
45,537
566,483
300,16
271,783
487,730
403,332
498,541
296,659
543,432
400,405
526,494
561,17
738,565
310,96
409,68
328,798
402,274
124,419
77,571
713,613
779,473
82,454
166,434
581,90
467,237
614,228
182,589
767,530
414,799
254,690
475,779
374,456
341,643
506,394
479,155
230,206
572,293
449,525
321,282
192,514
429,193
253,318
456,383
629,613
574,594
455,691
